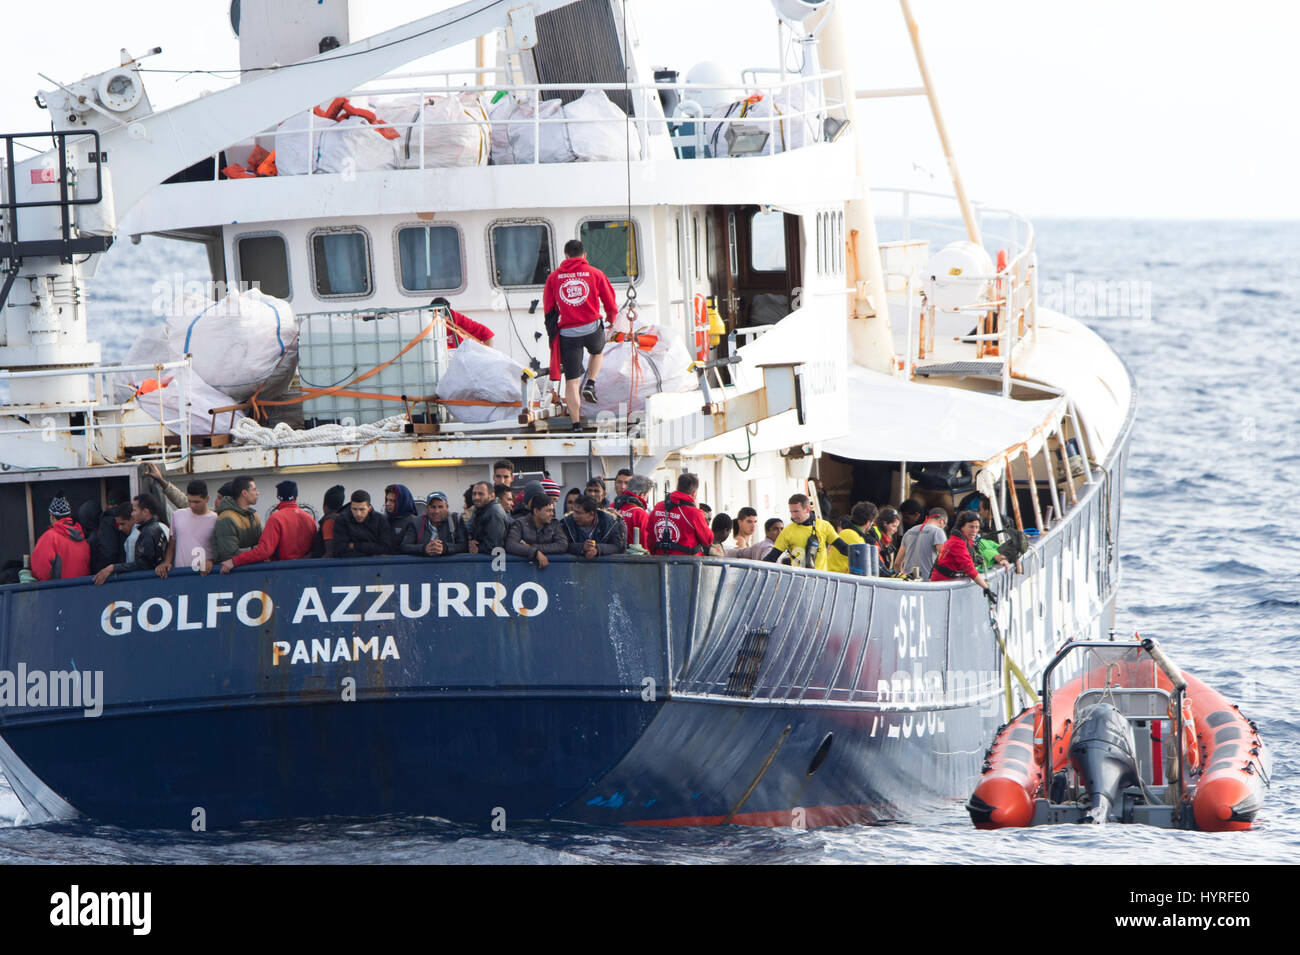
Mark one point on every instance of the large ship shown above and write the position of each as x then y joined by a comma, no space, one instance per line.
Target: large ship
789,324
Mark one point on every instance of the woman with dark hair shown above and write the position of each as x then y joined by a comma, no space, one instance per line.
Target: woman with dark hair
883,533
721,531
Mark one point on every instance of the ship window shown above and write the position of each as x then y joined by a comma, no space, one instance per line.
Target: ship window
264,262
611,247
521,254
341,263
767,241
695,238
839,243
430,258
821,267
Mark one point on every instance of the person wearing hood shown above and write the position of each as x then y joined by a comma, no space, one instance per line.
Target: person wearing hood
631,506
399,508
361,531
92,519
322,546
439,533
62,551
572,302
238,526
539,534
288,533
678,525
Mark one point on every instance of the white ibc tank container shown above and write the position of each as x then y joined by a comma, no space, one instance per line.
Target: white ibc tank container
335,349
952,268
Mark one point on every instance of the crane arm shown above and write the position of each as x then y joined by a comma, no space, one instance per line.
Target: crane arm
144,152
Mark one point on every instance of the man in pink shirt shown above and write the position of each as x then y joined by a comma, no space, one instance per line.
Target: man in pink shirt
575,292
191,539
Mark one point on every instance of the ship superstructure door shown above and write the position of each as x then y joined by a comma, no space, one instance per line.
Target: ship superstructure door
756,265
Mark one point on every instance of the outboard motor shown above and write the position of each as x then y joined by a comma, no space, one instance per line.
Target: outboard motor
1103,754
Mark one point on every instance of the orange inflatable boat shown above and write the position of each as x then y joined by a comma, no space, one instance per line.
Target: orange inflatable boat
1130,738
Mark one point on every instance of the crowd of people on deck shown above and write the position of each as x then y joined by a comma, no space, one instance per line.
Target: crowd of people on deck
532,521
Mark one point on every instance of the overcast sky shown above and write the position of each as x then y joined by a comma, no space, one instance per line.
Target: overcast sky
1153,108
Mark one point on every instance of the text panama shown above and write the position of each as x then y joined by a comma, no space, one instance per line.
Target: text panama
346,604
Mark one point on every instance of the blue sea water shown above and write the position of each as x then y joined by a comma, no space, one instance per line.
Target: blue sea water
1208,328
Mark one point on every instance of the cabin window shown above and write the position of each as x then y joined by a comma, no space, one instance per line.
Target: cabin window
264,262
521,254
341,263
430,258
611,247
767,241
695,238
821,263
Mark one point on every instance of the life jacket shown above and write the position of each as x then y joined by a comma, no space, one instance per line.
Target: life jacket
950,574
674,522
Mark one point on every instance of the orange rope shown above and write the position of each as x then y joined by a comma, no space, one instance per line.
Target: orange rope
344,390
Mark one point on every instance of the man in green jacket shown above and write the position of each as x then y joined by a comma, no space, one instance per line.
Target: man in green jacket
238,526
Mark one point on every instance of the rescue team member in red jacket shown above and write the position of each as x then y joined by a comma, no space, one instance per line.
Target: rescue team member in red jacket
677,525
630,504
465,327
575,292
957,557
62,551
288,534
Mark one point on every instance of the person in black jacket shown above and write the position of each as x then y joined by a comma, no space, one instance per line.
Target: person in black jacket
150,546
487,522
438,533
361,531
323,545
593,531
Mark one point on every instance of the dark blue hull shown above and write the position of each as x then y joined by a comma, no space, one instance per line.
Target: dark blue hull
622,691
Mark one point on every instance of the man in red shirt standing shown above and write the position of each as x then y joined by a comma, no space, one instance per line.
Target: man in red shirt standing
677,526
575,292
288,534
461,326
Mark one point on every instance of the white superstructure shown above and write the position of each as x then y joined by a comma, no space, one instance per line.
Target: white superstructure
861,347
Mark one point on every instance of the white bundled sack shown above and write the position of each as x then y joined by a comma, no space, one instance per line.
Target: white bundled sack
295,152
201,400
599,131
479,373
467,143
664,368
243,342
353,145
554,141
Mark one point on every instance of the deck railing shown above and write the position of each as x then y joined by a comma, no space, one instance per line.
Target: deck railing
55,422
808,110
1007,319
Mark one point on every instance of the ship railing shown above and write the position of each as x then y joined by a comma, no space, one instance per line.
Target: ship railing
84,423
808,110
1006,317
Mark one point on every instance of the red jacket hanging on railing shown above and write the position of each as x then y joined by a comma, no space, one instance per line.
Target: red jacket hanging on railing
470,329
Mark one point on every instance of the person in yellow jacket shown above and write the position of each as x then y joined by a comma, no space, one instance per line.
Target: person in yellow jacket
806,539
860,518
